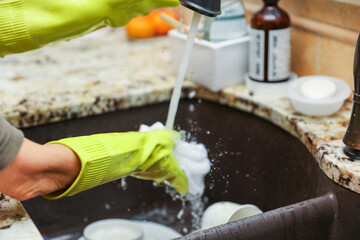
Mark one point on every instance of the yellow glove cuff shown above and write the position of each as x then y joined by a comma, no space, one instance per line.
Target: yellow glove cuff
95,161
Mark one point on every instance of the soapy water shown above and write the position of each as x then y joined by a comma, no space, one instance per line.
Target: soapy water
194,161
193,204
184,217
192,158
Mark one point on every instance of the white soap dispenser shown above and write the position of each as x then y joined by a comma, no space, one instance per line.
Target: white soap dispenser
229,25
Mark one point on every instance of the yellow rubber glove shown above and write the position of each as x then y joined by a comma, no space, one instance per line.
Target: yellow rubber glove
30,24
110,156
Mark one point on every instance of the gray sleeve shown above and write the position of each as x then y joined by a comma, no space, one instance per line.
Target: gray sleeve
10,142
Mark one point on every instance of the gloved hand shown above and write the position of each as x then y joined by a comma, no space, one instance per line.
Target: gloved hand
109,156
30,24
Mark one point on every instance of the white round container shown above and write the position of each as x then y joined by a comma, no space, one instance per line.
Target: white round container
113,229
318,107
273,90
223,212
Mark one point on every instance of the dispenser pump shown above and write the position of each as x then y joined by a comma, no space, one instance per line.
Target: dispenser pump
210,8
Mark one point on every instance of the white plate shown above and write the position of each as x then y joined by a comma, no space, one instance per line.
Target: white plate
155,231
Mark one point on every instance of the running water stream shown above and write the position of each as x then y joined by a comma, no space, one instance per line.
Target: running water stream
193,197
182,71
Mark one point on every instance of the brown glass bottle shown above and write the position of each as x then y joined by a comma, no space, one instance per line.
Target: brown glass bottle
270,44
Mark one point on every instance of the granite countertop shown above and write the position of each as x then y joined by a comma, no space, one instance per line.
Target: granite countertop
104,72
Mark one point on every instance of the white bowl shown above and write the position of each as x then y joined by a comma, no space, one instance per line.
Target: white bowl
318,107
223,212
113,229
153,230
213,65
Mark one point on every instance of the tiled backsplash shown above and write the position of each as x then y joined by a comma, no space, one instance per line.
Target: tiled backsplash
324,35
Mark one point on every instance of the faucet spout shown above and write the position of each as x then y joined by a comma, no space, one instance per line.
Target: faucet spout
210,8
352,135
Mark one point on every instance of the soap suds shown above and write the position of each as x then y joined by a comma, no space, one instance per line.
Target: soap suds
192,157
194,161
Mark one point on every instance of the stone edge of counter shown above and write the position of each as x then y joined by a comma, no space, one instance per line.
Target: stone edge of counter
15,223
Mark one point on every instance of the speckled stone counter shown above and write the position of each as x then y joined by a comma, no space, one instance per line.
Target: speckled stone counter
15,223
104,72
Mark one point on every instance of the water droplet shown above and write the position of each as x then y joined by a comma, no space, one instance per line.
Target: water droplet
191,108
192,94
123,183
107,206
180,214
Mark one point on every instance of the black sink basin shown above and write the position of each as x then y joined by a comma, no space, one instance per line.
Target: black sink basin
254,162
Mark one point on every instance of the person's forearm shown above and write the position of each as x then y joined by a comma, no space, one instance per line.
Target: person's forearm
39,169
30,24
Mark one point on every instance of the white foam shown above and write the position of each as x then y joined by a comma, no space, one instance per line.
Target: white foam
193,159
155,126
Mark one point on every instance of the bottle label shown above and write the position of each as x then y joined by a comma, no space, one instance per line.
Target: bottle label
257,54
279,54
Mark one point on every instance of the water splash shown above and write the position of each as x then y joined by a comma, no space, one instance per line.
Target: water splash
124,183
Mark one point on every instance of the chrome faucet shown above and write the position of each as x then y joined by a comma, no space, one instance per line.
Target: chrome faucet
352,135
210,8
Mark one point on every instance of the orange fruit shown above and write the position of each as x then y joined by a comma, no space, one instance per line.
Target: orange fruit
140,27
161,27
